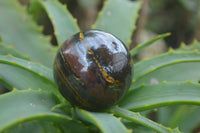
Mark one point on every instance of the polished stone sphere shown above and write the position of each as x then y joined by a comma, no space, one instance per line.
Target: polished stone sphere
93,70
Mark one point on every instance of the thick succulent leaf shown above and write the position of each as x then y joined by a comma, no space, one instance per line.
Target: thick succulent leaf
9,50
63,22
34,127
12,69
186,118
27,105
118,17
139,47
42,126
18,29
143,130
106,122
164,114
137,118
194,46
150,96
31,66
172,66
39,77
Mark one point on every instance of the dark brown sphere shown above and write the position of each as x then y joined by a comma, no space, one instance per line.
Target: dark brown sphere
93,70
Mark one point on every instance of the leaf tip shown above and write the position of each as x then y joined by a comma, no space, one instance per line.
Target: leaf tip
142,85
75,20
42,114
28,56
133,81
169,34
182,45
170,50
134,117
195,41
41,28
189,81
12,46
130,130
138,113
14,89
195,50
39,89
144,59
9,54
65,6
120,118
164,81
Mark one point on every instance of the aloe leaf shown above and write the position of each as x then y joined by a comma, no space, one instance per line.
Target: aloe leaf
150,96
34,127
27,105
186,118
139,47
11,72
143,130
64,24
137,118
29,65
13,69
194,46
5,84
145,66
172,66
18,29
164,114
41,126
9,50
119,17
106,122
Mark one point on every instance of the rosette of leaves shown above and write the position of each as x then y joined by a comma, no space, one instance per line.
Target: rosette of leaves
32,102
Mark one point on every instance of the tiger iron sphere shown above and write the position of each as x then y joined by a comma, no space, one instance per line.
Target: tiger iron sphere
93,70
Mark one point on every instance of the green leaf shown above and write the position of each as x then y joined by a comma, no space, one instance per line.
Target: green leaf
12,69
42,126
150,96
173,66
137,118
18,29
164,114
118,17
11,72
29,65
195,46
186,118
64,24
139,47
34,127
9,50
26,105
107,123
143,130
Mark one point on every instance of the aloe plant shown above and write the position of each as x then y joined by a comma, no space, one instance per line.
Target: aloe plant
34,104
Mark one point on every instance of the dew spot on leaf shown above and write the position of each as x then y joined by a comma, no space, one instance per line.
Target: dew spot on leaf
102,24
109,13
154,81
33,105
